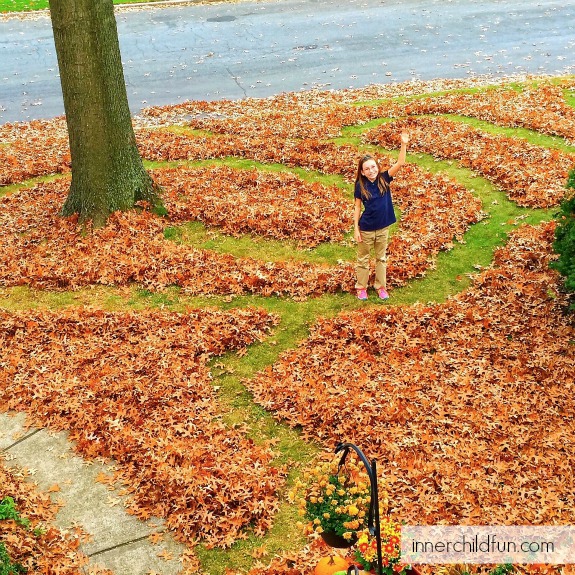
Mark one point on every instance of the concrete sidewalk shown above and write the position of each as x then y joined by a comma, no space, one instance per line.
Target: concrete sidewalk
120,541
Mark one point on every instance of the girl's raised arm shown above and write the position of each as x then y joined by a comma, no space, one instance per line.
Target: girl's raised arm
402,154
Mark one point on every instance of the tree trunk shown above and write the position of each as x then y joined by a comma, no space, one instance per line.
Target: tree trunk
107,171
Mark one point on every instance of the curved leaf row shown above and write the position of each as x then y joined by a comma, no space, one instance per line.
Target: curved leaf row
274,205
542,108
135,387
466,405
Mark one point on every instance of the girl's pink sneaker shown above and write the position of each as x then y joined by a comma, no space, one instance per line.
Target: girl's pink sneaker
382,293
362,294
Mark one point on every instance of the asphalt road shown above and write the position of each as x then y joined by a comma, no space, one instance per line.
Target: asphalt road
235,50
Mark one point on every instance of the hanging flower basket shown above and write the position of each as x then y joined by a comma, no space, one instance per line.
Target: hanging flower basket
334,501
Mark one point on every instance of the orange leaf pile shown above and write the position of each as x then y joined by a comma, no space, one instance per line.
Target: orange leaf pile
135,387
542,108
275,205
310,154
466,405
533,176
317,115
33,149
434,211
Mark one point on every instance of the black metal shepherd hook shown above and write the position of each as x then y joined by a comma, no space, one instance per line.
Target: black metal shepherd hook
373,523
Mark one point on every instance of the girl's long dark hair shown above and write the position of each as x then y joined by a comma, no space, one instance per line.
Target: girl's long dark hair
381,183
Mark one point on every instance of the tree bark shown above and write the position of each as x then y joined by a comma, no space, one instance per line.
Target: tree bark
107,171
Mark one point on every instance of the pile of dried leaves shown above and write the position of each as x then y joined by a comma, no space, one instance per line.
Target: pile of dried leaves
466,405
31,149
310,153
542,108
135,387
274,205
317,115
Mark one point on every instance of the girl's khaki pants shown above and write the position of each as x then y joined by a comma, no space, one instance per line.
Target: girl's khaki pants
378,241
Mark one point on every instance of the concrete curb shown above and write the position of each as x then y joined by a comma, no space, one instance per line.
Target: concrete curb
120,541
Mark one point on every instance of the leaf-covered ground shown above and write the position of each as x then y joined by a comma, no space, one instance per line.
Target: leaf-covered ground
466,404
135,387
532,176
542,108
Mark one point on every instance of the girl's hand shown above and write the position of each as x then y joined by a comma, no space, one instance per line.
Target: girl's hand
357,236
404,137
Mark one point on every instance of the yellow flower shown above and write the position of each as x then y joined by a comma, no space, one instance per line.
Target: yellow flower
353,510
363,538
326,515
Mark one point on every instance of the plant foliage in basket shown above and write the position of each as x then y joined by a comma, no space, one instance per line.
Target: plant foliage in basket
333,499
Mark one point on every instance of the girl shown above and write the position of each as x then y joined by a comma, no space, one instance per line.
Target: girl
372,228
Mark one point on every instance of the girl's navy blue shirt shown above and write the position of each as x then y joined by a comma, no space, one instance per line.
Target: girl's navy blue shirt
378,210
